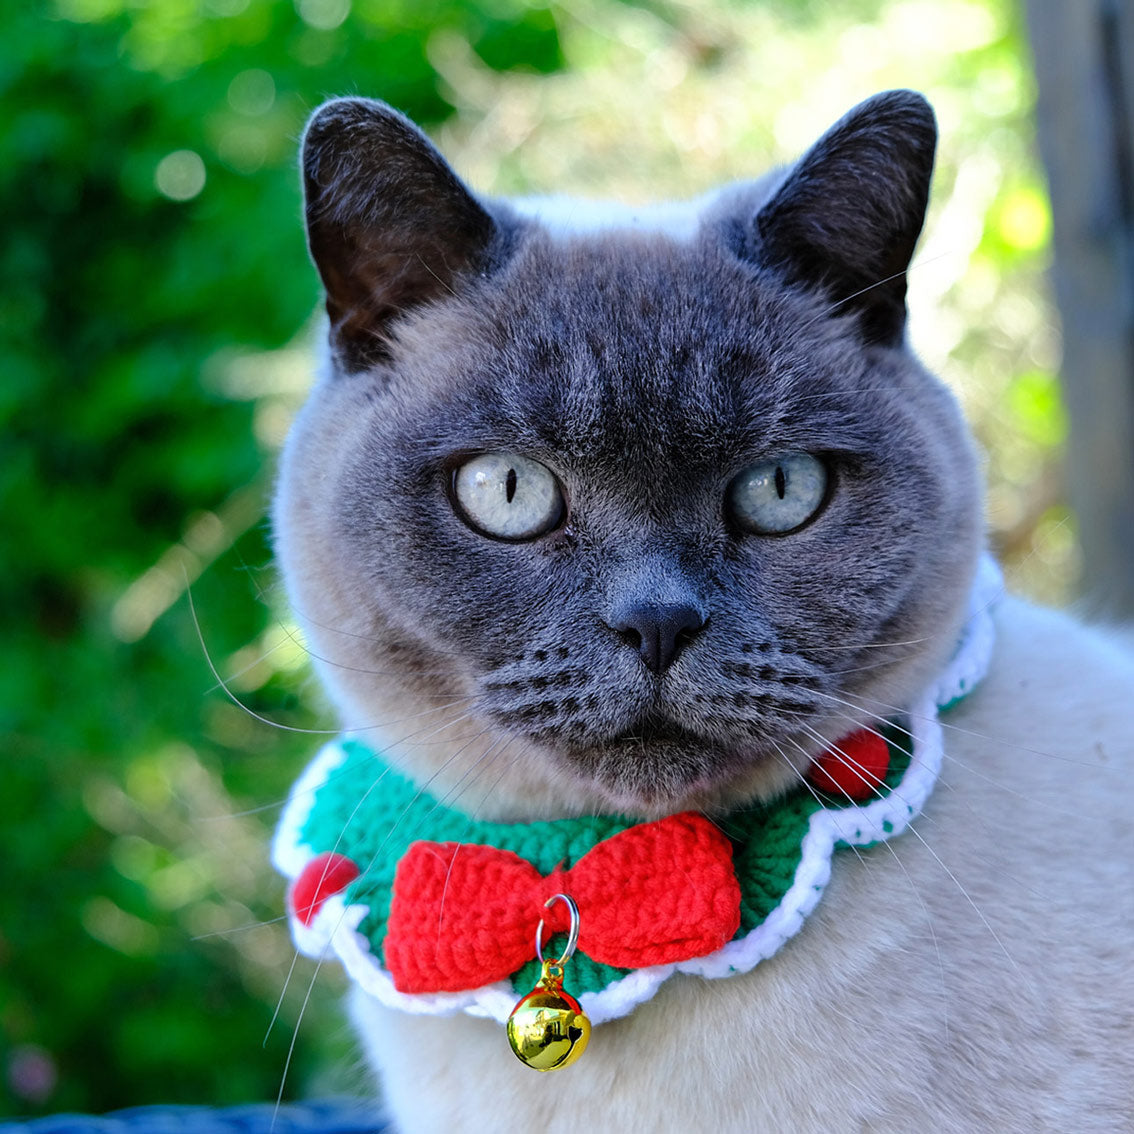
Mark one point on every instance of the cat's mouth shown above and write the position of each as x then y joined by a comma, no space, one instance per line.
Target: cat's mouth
653,730
659,755
658,765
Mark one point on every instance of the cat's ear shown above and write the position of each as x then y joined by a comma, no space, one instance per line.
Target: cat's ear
389,224
848,215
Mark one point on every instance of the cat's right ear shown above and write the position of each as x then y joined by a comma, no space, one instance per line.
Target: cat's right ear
848,215
389,224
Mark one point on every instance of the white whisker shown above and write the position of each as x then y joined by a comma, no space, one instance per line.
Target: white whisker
953,878
222,684
857,767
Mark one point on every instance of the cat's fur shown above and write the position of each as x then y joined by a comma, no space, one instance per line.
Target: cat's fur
969,977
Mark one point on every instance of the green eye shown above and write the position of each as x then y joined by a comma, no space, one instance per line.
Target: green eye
507,496
778,495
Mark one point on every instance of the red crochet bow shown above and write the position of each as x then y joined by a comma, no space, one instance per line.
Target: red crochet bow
464,916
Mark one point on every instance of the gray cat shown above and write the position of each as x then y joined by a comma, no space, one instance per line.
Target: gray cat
645,513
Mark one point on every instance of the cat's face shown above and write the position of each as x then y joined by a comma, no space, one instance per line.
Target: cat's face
620,520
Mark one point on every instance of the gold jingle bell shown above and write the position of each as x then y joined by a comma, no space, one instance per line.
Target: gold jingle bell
547,1029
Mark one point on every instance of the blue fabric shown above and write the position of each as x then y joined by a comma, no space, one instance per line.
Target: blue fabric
295,1118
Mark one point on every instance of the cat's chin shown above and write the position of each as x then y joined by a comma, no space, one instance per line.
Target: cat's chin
659,769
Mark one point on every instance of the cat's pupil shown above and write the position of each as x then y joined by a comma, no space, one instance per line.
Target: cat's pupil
781,482
510,485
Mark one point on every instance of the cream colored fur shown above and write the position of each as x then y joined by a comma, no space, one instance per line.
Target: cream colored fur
973,975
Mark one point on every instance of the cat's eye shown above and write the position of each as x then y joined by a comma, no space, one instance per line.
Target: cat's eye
777,496
507,496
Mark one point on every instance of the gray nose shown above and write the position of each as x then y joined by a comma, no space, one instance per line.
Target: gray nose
658,631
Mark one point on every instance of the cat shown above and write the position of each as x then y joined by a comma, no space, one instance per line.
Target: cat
640,511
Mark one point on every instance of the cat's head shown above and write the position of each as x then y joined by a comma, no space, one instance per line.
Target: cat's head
622,519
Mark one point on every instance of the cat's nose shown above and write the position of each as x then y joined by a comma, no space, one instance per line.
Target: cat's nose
658,631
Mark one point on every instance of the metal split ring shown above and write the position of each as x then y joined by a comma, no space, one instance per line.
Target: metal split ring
572,933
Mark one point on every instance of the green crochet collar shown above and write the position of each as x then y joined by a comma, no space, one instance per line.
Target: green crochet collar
433,911
364,819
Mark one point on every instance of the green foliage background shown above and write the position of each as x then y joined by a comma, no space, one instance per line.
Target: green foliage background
154,329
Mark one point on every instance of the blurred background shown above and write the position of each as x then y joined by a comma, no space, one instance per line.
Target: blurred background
156,325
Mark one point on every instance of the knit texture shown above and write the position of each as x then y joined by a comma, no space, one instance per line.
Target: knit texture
654,893
482,904
433,911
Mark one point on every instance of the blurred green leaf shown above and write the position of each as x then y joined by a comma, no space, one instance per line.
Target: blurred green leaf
147,174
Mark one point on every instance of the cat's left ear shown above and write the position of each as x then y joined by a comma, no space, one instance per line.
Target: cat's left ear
848,215
390,226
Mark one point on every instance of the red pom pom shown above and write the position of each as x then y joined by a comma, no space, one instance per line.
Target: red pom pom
324,875
856,770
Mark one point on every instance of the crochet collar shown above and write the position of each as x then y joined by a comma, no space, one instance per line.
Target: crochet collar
433,912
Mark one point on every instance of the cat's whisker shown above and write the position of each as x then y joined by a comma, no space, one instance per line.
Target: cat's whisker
921,263
941,863
324,953
280,999
245,813
863,774
476,811
468,827
968,767
802,778
897,727
866,668
972,905
464,700
826,313
422,736
443,282
795,641
222,684
330,777
376,640
248,667
454,792
295,1030
1007,789
901,866
335,773
841,395
885,645
233,930
858,724
992,739
370,671
835,1009
865,777
422,792
297,639
1093,767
